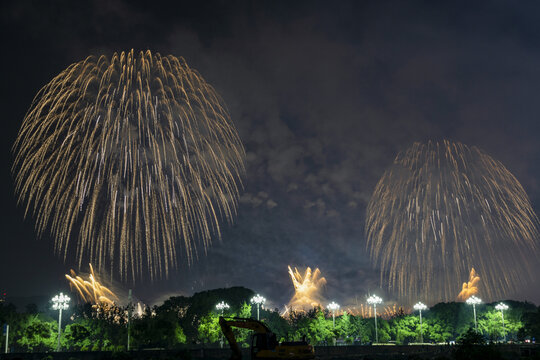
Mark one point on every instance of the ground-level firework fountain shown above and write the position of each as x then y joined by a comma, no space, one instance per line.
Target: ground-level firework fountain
91,290
469,288
307,289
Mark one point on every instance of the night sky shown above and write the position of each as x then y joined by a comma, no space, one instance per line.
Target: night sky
323,94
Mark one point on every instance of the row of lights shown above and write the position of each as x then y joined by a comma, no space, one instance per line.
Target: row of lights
376,300
61,302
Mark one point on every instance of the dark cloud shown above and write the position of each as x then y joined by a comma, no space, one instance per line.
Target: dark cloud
324,96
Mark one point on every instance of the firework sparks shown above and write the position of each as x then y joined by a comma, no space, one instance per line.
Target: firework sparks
91,291
131,158
366,311
440,209
307,289
470,288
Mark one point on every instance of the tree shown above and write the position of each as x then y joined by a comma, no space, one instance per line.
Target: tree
38,335
405,329
531,325
279,325
209,329
345,328
436,331
158,331
319,329
242,335
77,337
384,331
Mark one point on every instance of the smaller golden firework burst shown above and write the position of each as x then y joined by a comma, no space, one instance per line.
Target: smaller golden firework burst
470,288
91,291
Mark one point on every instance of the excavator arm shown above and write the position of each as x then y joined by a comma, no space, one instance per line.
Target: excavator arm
264,343
226,327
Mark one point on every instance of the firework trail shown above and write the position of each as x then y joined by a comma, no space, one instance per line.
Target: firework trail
91,291
128,159
470,288
440,210
307,289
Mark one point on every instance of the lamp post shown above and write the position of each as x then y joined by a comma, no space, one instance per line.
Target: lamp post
60,302
501,307
333,306
222,306
129,320
473,300
420,306
259,300
374,300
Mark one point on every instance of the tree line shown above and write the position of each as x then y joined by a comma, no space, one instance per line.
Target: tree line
182,322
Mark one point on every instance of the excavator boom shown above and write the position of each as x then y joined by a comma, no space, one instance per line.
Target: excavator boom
229,323
264,343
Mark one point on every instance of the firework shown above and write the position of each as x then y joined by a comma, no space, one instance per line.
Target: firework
91,291
366,311
440,210
128,159
307,289
470,288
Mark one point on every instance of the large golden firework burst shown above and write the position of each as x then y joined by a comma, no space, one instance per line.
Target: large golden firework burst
127,159
443,208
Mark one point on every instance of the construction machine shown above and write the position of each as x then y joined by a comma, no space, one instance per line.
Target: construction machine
264,344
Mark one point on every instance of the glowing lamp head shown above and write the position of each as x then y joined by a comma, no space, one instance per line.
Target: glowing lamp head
60,302
222,306
420,306
258,299
374,300
473,300
333,306
501,307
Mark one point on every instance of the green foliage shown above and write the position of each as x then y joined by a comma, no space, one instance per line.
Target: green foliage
209,329
454,318
77,337
242,335
37,335
384,331
345,328
436,332
490,324
317,329
180,320
189,311
161,330
278,324
406,329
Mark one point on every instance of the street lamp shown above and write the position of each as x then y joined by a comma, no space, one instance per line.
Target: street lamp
420,306
333,306
259,300
473,300
501,307
222,306
60,302
374,300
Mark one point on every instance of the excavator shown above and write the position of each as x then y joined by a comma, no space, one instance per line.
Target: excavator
264,344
